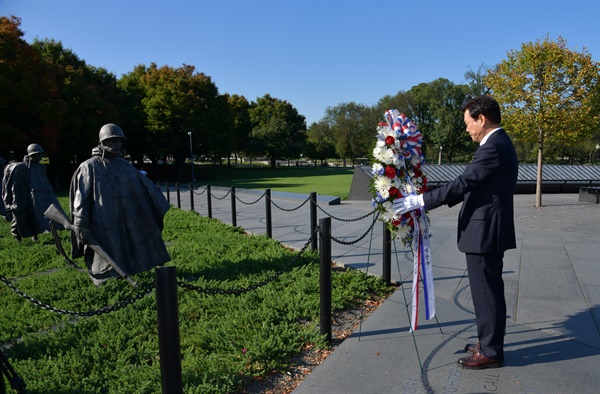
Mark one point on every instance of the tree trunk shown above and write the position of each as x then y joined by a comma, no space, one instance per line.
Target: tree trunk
538,184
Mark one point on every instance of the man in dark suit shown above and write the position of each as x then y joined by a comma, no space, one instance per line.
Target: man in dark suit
485,224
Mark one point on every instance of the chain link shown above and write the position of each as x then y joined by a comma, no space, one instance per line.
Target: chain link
221,198
107,309
201,193
361,237
293,209
253,202
346,220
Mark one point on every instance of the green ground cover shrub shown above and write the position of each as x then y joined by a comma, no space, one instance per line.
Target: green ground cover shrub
226,339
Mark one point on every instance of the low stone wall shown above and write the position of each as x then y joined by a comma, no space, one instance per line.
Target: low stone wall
589,194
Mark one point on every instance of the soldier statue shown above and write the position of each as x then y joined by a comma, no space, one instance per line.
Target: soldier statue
117,213
27,193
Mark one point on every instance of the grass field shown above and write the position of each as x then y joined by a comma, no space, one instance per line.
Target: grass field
328,181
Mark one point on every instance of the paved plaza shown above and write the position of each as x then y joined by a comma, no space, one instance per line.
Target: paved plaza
552,286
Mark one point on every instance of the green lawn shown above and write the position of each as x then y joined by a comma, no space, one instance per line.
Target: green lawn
328,181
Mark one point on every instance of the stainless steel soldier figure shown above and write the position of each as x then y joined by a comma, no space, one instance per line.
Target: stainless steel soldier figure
27,194
113,204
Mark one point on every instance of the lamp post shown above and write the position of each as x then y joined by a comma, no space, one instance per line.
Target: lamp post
597,151
191,156
440,156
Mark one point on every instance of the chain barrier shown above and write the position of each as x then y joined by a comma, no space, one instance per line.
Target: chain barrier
346,220
360,238
253,202
107,309
189,286
221,198
201,193
293,209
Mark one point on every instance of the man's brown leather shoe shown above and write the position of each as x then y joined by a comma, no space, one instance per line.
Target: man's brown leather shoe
478,361
472,347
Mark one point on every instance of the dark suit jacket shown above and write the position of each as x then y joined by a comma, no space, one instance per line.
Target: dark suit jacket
486,188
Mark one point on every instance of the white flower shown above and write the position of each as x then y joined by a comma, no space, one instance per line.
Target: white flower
388,216
382,185
377,169
388,156
403,231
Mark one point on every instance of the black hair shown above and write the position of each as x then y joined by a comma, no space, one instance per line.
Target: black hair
486,106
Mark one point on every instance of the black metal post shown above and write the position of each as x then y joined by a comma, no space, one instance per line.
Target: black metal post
168,330
233,214
178,195
209,201
192,196
268,213
313,220
168,192
387,255
325,276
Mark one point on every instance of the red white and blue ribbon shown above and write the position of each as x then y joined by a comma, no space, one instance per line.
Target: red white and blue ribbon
422,269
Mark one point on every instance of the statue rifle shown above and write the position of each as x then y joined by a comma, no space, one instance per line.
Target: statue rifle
59,216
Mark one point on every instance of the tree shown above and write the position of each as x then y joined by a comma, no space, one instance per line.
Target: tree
319,142
278,130
30,106
271,138
353,134
549,95
401,101
436,108
89,98
475,80
177,102
242,127
133,117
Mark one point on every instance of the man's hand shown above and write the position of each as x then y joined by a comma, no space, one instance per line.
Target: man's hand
407,204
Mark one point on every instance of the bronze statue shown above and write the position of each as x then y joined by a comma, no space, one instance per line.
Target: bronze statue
27,194
117,208
5,213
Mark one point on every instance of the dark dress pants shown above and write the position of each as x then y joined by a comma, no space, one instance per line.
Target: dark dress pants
487,290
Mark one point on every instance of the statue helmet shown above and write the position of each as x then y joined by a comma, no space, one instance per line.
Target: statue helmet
32,149
110,130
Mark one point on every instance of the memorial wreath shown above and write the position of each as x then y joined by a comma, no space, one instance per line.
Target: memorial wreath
397,173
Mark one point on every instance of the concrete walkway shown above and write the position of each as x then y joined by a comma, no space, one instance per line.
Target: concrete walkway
552,283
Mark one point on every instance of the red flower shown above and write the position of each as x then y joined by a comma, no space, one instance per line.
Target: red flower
394,192
396,222
389,140
390,172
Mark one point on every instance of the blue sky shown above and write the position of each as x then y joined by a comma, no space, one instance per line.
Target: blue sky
311,53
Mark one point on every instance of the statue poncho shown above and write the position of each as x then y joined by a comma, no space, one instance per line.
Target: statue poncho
124,212
27,193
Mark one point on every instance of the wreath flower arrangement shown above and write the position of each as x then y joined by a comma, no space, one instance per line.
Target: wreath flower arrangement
397,173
